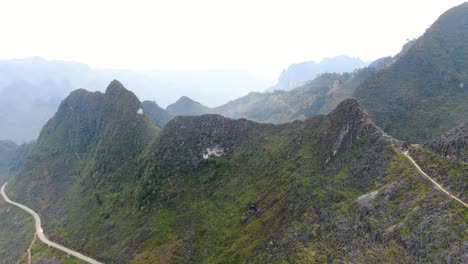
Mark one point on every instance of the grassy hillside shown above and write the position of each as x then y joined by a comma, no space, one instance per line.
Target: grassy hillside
210,189
425,92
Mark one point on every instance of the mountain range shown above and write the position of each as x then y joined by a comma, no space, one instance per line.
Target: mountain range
211,189
300,73
423,94
416,95
362,167
31,89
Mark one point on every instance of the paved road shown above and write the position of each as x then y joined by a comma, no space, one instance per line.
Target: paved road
436,184
40,232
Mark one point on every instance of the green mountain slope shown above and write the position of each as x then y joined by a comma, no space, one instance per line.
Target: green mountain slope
424,93
417,95
84,163
7,153
12,156
446,158
453,144
319,96
209,189
160,116
16,232
187,107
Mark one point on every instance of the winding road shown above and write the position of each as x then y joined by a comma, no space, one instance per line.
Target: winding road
435,183
43,238
40,232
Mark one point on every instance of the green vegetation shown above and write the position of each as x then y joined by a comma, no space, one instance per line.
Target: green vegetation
424,93
16,232
187,107
277,193
12,157
415,96
450,173
110,183
453,144
7,153
41,253
160,116
319,96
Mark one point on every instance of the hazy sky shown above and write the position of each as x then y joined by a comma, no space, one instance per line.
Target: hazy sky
260,36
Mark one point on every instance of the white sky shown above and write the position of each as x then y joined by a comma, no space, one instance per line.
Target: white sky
262,37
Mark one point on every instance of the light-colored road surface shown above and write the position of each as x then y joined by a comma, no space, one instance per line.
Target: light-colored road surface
436,184
40,232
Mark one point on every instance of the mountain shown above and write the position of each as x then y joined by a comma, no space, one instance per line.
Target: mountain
7,153
31,89
334,188
12,156
159,115
300,73
446,158
453,144
387,61
16,227
22,113
211,87
319,96
88,150
187,107
424,94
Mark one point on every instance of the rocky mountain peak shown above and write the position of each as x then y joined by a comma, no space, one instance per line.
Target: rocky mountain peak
352,111
115,87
